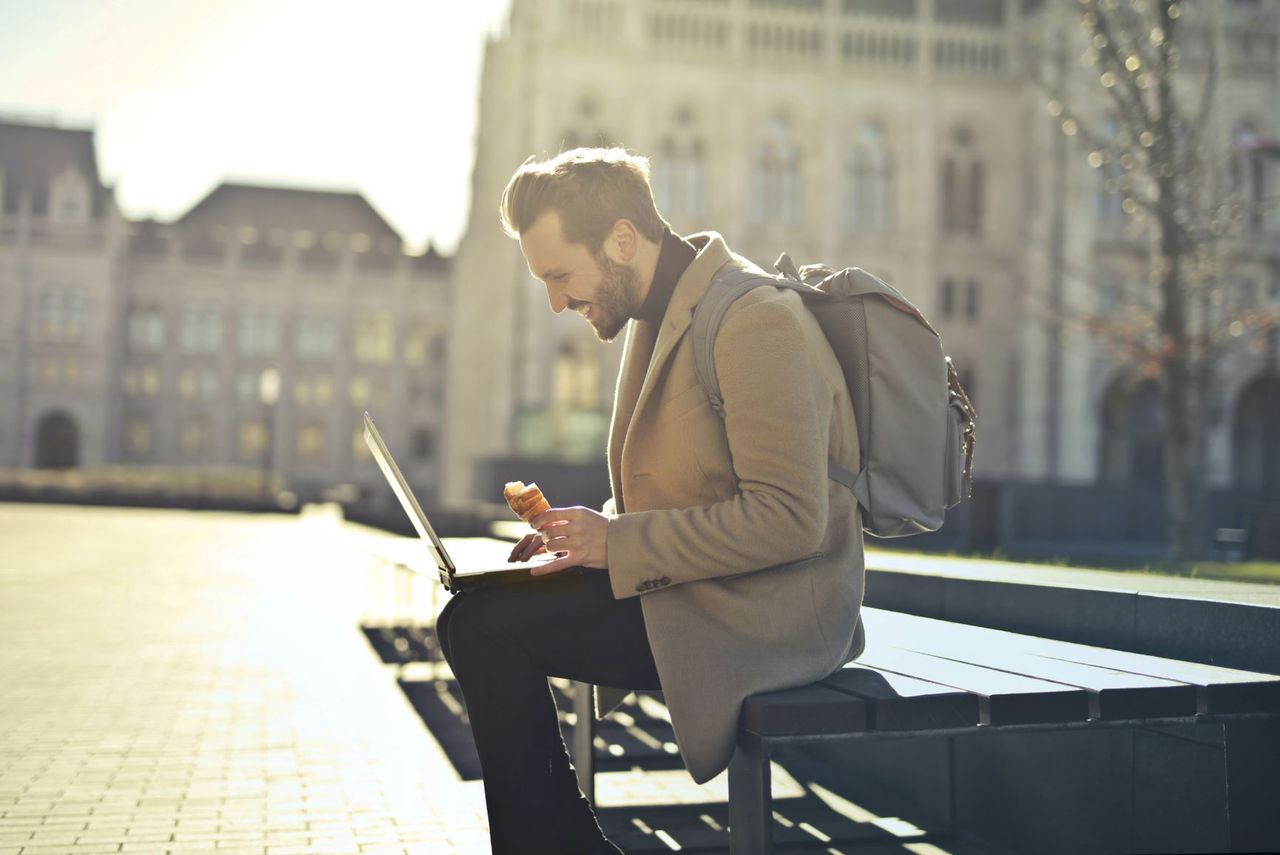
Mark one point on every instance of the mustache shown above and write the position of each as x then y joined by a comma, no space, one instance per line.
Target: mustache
574,305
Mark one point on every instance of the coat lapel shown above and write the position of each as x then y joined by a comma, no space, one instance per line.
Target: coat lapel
636,353
640,371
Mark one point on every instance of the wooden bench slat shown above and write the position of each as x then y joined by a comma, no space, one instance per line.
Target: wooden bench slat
899,702
1003,698
1112,694
1220,690
809,709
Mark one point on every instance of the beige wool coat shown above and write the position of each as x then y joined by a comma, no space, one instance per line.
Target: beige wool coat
747,558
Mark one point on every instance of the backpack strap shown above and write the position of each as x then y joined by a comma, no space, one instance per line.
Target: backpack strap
724,289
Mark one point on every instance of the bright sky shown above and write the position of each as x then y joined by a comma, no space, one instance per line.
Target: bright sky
377,96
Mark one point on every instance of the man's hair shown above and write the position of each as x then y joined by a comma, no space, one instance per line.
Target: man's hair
591,189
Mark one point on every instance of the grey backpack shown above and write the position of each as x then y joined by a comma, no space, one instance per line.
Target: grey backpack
915,423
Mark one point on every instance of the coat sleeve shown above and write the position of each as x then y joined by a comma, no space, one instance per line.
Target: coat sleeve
777,426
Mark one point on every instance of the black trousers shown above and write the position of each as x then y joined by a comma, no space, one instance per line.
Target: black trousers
502,644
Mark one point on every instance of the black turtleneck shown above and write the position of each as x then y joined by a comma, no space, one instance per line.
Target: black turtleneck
674,257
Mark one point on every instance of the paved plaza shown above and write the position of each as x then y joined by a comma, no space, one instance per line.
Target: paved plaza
181,682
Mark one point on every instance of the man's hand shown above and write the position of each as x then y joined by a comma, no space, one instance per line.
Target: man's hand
578,536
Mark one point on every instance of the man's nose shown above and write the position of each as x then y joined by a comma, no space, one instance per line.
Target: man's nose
559,300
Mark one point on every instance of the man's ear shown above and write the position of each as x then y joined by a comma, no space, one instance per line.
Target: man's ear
622,242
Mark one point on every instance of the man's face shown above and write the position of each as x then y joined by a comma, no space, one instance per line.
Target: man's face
604,291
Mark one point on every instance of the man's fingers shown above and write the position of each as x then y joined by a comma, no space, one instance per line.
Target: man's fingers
529,546
553,566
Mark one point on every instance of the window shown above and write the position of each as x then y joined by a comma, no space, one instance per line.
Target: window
322,390
947,298
259,333
679,170
203,384
63,313
419,346
868,181
1132,446
775,190
1249,173
200,330
315,337
145,329
971,300
70,197
137,435
1110,291
150,380
361,391
375,340
587,129
253,439
311,441
423,444
575,381
963,185
195,435
131,382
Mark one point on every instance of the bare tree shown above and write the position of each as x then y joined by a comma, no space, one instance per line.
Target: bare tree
1146,119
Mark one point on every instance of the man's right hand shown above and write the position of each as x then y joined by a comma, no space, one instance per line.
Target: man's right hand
530,545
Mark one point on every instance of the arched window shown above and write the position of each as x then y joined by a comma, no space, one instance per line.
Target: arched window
1132,435
1255,435
679,170
963,185
776,176
869,181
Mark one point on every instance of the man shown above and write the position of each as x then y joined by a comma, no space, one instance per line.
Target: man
726,562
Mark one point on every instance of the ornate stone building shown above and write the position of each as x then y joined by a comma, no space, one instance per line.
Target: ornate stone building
903,136
250,333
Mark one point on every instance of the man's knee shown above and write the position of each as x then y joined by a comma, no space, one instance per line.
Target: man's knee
443,621
462,626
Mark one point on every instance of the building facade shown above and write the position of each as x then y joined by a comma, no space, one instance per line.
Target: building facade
250,334
906,137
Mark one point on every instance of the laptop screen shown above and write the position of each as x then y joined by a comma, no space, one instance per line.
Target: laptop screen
407,500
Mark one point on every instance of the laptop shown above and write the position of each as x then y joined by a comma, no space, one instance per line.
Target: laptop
484,566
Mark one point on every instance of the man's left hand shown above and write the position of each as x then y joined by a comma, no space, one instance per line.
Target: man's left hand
578,536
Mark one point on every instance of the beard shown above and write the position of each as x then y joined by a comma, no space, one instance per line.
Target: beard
617,298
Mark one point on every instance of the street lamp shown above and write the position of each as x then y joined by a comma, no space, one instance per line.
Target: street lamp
269,394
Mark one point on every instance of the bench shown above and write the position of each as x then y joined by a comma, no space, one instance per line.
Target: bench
924,677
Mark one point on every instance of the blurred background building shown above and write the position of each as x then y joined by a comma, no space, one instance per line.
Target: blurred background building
907,137
249,334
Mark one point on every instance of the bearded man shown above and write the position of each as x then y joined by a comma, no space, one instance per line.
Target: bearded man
726,562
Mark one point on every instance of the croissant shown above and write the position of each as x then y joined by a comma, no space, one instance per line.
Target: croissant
526,501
